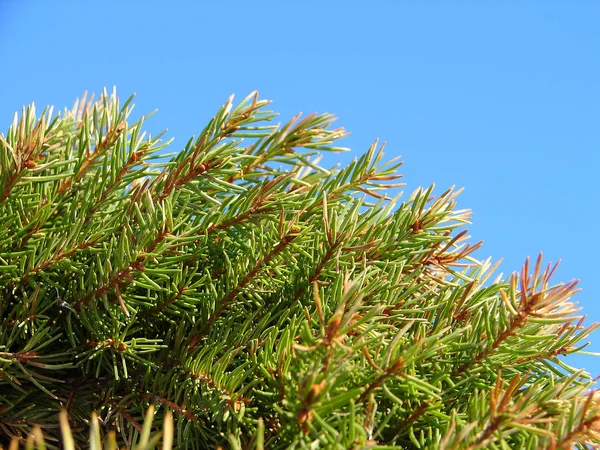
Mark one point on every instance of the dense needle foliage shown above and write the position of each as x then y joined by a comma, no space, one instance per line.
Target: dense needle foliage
265,301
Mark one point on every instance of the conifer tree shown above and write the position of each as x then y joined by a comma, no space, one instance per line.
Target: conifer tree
261,299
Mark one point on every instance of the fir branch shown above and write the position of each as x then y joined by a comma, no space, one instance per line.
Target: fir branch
187,284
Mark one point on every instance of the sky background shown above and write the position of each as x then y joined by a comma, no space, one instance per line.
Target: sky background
501,98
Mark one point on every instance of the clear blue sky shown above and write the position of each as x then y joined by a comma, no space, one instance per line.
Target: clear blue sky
500,98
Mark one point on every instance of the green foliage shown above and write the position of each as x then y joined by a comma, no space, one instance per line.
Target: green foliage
263,299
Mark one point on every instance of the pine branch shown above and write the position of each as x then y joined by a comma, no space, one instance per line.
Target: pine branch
263,299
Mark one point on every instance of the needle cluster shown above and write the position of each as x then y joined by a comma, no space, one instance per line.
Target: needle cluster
262,300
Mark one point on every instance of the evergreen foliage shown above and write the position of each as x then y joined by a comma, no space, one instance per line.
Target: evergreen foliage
263,299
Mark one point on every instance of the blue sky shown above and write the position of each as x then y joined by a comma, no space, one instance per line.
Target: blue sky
501,98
